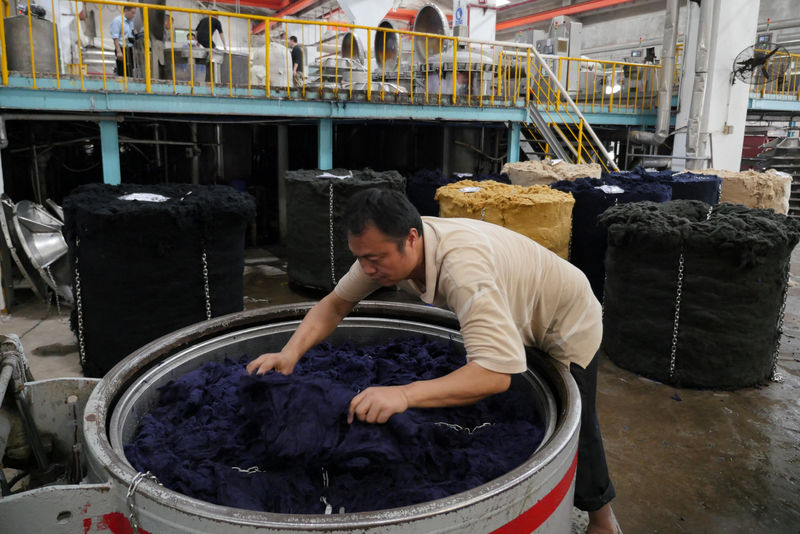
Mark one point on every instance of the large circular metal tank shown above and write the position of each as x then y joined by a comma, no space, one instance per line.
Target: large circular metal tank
429,19
537,495
387,46
18,47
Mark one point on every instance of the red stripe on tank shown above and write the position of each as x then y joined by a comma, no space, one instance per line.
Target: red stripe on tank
537,514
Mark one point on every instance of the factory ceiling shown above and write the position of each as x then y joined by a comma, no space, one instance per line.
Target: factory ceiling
512,16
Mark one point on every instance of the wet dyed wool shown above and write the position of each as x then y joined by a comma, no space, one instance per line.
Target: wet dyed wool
593,196
281,443
685,185
422,186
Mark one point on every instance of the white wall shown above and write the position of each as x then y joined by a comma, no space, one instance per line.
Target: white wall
724,106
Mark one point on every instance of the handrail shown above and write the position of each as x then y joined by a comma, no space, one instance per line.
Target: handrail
572,105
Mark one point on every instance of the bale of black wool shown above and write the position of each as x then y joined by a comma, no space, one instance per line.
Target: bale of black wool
137,254
724,271
422,186
685,185
593,196
316,203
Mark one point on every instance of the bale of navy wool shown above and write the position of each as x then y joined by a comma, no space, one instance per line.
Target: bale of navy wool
143,256
592,197
685,185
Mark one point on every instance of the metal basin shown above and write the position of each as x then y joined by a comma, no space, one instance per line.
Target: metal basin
129,391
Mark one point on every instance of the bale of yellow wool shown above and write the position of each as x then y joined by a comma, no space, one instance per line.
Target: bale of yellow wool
766,190
546,172
539,212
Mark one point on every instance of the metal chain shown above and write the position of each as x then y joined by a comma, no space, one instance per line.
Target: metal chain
483,214
79,307
775,376
676,320
206,289
130,498
330,231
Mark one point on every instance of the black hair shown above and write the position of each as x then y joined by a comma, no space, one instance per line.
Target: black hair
387,210
293,39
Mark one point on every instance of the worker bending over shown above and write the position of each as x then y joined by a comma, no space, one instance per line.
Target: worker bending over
507,291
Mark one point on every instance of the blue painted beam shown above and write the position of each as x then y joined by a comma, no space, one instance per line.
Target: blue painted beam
763,104
109,142
325,144
136,100
513,142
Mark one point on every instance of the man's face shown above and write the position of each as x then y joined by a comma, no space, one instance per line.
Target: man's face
130,13
379,256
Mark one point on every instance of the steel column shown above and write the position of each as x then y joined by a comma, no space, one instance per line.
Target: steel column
513,142
283,166
109,141
325,144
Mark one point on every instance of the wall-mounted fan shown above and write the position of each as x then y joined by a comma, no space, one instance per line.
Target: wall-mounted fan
761,63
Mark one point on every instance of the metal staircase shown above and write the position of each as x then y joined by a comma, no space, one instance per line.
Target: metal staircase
556,128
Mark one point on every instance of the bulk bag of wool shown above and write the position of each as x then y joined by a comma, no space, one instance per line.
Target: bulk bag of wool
316,203
685,185
422,186
150,259
593,197
539,212
768,190
527,173
695,296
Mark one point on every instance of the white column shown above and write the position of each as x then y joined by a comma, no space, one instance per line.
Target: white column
724,109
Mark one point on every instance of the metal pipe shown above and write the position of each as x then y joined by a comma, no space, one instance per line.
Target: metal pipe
56,117
695,141
195,154
219,152
5,378
571,104
667,79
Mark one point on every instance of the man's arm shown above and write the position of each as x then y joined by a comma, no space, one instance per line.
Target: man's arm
318,323
465,385
222,38
117,48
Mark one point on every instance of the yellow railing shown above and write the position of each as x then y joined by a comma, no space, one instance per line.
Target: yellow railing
779,79
602,86
445,69
560,108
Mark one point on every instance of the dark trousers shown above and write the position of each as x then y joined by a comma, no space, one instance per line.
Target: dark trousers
128,63
593,487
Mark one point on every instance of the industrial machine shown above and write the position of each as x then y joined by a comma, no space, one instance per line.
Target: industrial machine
76,428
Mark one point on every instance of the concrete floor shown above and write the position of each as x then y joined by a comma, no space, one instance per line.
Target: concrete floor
681,460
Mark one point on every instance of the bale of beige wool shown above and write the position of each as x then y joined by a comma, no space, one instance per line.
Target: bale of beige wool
753,189
538,212
527,173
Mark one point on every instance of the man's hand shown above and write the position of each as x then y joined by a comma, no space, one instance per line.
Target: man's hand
271,361
377,404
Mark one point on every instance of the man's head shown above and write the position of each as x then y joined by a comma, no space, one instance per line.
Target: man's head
129,12
384,232
292,41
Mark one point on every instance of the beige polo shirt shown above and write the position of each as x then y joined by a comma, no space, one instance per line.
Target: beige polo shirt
507,291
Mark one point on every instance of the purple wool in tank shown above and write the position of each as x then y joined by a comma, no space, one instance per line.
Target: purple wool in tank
282,443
